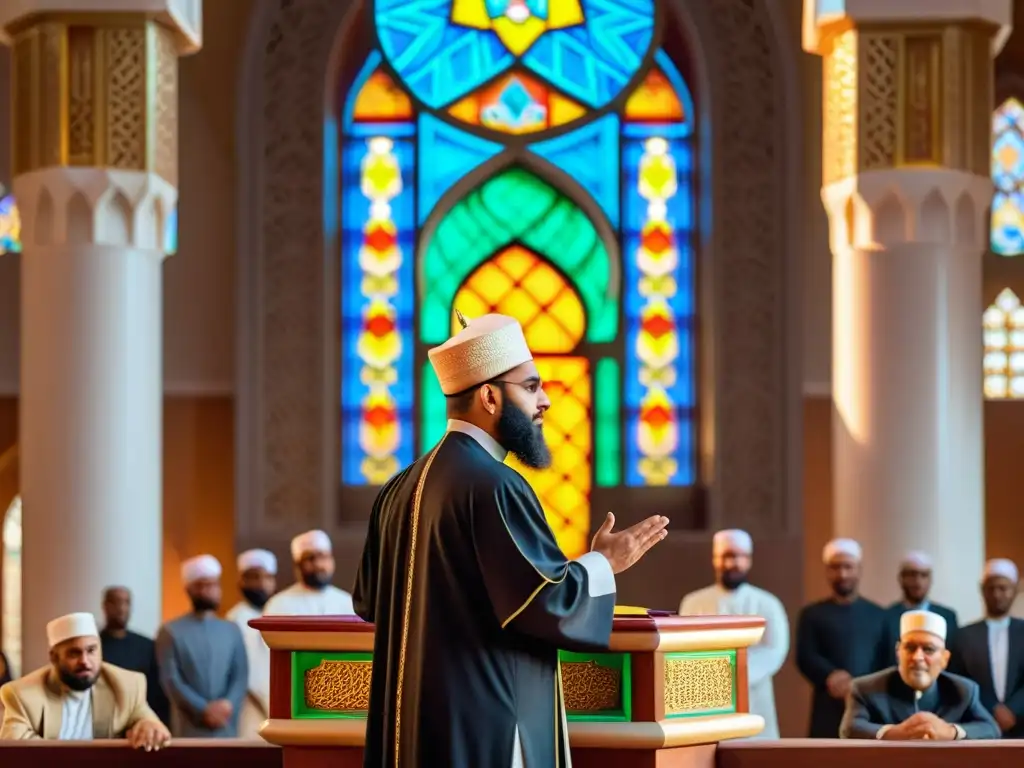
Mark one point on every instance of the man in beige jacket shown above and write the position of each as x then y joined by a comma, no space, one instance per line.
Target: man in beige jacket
78,697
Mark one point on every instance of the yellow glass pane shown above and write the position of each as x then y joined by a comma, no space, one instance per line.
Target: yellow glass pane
471,13
567,430
519,36
562,110
381,100
518,283
655,100
564,13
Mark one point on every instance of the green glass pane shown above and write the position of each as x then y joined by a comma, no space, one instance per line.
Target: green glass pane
517,206
607,424
434,419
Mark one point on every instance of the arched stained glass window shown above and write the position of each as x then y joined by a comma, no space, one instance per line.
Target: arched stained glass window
1004,347
1008,177
534,159
10,225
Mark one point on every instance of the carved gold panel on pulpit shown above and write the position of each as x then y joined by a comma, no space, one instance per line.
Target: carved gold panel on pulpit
700,683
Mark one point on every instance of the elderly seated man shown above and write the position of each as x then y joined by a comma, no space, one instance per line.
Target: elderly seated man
917,699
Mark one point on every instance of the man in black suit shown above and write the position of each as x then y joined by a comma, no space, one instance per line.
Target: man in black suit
918,699
915,579
991,651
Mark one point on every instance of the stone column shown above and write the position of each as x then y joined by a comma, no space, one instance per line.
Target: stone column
95,100
907,142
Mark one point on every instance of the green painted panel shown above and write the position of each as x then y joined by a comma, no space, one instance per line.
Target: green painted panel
620,663
433,410
607,423
516,206
303,662
730,656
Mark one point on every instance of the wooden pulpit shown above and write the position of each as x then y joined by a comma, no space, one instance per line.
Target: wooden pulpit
664,693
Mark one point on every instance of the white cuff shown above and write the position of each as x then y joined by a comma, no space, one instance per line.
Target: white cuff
600,578
880,733
960,732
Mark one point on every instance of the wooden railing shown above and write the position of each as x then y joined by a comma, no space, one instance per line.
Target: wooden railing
788,753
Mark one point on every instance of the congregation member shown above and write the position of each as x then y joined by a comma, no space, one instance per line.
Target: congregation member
471,596
6,675
312,594
839,638
917,699
78,696
202,659
731,595
257,569
130,650
991,651
915,580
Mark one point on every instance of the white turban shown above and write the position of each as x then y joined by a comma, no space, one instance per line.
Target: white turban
923,621
71,626
1000,567
200,567
310,541
837,547
486,347
733,540
916,559
257,558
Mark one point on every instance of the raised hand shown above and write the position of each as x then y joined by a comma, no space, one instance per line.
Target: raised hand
624,548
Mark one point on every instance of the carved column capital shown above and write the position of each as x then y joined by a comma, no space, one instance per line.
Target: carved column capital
98,86
906,85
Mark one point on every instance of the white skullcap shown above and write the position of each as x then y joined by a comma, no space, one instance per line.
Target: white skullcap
486,347
840,547
71,626
200,567
257,558
1000,567
733,539
916,559
923,621
310,541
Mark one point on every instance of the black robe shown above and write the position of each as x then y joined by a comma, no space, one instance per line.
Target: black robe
472,598
832,636
138,654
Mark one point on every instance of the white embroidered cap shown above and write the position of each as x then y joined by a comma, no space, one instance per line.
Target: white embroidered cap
1000,566
257,558
923,621
734,540
916,559
71,626
310,541
486,347
200,567
837,547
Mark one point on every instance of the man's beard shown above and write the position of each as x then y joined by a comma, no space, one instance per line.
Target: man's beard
317,580
76,683
257,598
843,589
203,604
522,438
733,579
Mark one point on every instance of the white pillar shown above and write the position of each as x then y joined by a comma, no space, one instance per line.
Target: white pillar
906,184
91,392
906,374
95,165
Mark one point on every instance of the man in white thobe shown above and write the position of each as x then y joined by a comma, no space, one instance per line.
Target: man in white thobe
312,594
731,595
257,574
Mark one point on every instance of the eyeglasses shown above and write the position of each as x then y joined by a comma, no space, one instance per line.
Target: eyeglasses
530,385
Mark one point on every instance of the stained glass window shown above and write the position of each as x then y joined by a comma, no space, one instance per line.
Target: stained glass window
10,225
1004,347
534,158
1008,178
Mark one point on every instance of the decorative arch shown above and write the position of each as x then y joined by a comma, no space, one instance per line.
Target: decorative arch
302,57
